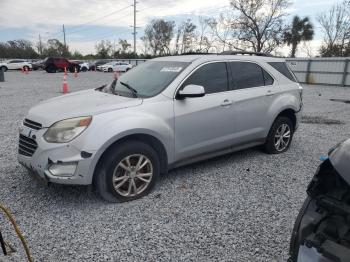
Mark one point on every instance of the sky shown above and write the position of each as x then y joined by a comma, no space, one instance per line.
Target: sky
88,21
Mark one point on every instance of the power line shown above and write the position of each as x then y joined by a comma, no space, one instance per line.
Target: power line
102,17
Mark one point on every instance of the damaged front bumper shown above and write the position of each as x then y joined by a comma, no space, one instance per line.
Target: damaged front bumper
51,162
322,228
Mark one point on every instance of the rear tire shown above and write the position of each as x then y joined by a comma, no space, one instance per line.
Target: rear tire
122,176
110,70
26,68
280,136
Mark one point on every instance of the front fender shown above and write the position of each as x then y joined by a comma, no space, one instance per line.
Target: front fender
108,130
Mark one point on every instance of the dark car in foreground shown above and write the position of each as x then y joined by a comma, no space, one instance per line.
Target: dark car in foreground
321,232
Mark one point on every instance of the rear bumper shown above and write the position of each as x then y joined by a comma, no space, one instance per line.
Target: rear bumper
298,116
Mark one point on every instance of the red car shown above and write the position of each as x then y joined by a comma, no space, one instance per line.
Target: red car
54,64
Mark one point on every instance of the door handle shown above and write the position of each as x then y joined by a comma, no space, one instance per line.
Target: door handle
269,93
226,102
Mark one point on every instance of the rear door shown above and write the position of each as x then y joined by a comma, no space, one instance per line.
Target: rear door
252,94
203,124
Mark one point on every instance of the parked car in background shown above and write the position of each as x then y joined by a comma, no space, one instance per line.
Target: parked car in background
37,64
165,113
84,66
97,65
322,229
15,64
54,64
116,67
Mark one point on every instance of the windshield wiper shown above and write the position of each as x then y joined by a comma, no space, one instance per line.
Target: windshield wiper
133,91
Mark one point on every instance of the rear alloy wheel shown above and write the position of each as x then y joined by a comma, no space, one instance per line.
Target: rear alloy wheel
280,136
127,172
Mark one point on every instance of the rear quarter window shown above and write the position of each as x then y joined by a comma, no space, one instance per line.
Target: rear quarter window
283,69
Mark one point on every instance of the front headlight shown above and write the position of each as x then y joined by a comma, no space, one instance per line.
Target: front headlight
66,130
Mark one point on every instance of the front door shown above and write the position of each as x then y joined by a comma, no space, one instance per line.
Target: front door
204,124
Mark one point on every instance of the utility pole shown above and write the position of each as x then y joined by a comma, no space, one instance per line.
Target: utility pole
134,26
64,38
40,46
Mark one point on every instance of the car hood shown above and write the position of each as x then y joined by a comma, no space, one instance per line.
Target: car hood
82,103
340,159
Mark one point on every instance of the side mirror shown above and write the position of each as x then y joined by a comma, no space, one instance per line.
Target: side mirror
191,91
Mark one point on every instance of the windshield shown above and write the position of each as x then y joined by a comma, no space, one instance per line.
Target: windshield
148,79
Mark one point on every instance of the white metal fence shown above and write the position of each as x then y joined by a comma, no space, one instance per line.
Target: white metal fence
321,71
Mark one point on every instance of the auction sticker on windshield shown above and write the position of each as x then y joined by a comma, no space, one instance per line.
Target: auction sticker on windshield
171,69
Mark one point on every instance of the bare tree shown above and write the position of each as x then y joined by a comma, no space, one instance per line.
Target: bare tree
258,24
158,34
221,29
186,37
335,25
205,37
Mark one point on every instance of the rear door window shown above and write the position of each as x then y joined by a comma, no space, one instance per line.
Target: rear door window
283,69
247,75
267,78
212,76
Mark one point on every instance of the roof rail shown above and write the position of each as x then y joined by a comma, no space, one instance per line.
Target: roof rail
244,53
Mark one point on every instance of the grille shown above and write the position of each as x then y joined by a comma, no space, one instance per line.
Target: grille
31,124
27,146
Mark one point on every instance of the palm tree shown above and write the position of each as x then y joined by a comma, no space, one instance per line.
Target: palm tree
301,30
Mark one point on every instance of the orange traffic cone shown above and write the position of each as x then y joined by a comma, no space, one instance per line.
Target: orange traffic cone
116,75
65,88
65,71
75,72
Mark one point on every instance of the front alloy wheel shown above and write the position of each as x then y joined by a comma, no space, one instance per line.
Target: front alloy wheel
128,171
132,175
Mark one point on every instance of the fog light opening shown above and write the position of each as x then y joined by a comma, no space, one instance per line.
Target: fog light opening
63,169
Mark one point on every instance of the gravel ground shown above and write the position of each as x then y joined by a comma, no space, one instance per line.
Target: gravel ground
239,207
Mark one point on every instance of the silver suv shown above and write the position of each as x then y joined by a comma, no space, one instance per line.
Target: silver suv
164,113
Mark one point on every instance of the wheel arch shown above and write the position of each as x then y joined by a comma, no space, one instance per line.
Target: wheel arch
290,113
151,140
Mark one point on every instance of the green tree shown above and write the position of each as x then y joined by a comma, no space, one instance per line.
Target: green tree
103,49
301,30
158,34
56,48
124,45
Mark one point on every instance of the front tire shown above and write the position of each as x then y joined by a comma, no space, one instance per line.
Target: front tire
51,68
280,136
3,68
128,171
